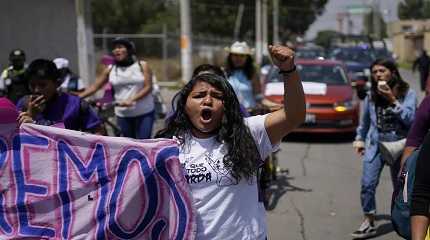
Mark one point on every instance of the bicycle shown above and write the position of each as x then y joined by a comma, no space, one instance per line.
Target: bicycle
105,111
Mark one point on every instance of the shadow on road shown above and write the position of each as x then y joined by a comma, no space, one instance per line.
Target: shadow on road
280,187
382,228
320,138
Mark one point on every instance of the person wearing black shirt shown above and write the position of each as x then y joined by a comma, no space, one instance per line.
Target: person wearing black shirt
421,193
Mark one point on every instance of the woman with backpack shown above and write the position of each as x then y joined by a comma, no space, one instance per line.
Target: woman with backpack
421,193
388,112
419,138
132,85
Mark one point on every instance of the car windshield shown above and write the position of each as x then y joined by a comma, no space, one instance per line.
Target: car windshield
309,53
329,74
382,53
356,55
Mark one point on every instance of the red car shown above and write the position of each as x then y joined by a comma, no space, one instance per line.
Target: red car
331,105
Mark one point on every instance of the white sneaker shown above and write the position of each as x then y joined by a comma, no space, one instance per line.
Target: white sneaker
365,230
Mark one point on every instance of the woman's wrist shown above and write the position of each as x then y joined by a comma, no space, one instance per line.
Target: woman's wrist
288,71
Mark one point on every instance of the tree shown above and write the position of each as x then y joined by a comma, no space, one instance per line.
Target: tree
218,17
413,9
369,25
324,38
298,15
124,16
209,18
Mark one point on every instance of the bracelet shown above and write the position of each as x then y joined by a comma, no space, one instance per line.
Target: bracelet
288,71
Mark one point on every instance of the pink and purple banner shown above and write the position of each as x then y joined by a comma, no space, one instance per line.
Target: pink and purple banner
62,184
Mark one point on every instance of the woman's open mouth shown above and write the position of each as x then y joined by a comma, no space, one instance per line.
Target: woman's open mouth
206,115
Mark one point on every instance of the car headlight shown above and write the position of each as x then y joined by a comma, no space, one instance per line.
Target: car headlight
343,106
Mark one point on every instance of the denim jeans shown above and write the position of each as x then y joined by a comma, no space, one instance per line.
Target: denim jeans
139,127
369,181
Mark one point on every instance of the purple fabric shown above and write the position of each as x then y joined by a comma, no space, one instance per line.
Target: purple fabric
421,124
8,111
67,109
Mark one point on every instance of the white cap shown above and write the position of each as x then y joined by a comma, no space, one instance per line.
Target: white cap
61,63
240,48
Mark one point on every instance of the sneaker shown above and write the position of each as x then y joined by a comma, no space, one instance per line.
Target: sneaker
365,230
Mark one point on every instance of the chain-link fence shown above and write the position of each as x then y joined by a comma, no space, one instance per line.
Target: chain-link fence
162,51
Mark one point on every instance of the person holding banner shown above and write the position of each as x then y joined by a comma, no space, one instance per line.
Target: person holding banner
48,106
221,150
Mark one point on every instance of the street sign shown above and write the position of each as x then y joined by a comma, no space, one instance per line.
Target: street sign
358,9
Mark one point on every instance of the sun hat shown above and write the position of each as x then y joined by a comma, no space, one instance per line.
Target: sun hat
240,48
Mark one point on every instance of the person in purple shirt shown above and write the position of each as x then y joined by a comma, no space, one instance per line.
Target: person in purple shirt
419,129
48,106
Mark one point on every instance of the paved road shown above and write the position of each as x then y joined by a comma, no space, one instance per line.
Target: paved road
319,198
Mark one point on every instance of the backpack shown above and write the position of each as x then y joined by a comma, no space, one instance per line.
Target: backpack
402,196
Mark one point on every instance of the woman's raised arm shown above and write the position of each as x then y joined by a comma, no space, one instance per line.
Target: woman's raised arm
279,123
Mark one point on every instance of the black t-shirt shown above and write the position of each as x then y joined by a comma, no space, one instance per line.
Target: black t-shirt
421,192
389,122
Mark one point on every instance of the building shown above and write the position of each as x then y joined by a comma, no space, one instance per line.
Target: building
49,29
409,38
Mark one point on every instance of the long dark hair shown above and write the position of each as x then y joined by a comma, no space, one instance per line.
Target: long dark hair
397,84
242,157
248,68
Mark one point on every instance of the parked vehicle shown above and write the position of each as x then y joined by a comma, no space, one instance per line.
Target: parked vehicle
313,52
331,105
357,60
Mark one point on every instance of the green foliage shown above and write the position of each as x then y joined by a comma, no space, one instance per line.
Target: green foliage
413,9
297,15
324,38
125,16
369,25
209,18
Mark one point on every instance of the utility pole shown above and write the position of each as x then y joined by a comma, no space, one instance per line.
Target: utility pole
339,17
376,20
238,21
276,22
265,28
165,52
85,41
186,44
350,24
258,33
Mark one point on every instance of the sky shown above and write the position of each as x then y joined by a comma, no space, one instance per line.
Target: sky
327,21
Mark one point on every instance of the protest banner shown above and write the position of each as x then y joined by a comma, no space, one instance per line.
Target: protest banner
62,184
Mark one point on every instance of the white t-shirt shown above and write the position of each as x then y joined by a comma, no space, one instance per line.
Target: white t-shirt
127,82
225,208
